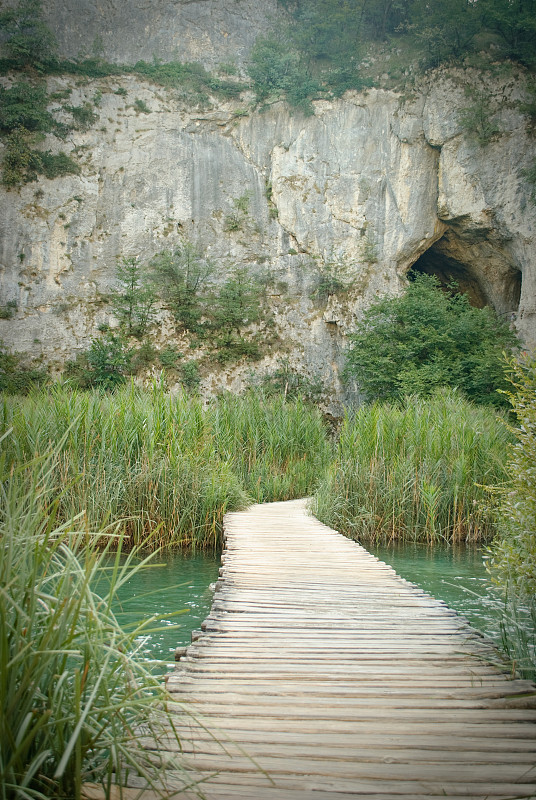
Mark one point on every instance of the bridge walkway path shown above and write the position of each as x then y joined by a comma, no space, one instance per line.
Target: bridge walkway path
320,674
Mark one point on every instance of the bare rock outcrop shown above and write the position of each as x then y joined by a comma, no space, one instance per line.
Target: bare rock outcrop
371,185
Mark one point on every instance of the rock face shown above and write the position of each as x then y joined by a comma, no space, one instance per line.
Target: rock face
126,31
368,187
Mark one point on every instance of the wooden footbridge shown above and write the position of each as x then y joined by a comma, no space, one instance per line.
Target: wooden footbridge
320,674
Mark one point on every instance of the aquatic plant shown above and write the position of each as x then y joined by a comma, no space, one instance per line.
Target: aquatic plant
74,696
155,462
513,554
415,471
278,448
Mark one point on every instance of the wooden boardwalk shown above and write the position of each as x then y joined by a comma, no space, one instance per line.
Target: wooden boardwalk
323,675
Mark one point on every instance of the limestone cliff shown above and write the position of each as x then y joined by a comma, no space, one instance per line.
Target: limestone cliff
372,184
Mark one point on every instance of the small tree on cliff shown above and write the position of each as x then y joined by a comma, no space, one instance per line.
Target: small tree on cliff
426,339
134,300
28,40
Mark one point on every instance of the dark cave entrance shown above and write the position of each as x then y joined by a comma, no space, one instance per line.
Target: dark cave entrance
483,273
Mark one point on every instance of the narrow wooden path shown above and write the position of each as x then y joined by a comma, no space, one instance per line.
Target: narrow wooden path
321,674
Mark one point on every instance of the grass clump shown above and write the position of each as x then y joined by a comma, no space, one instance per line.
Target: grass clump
415,472
74,697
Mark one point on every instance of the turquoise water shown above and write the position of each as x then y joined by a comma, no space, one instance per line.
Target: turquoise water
455,574
175,588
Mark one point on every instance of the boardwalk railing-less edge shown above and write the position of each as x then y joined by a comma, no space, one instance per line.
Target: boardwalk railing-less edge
320,674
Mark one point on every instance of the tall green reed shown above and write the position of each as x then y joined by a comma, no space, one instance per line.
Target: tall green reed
74,698
415,472
167,463
278,448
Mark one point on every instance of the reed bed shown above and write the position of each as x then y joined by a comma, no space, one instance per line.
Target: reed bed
74,697
415,472
166,466
278,448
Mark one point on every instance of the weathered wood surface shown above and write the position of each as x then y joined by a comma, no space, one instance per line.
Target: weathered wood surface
321,674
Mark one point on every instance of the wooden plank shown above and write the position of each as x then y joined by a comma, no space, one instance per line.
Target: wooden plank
322,675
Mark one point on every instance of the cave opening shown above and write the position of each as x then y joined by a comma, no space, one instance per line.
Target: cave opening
486,275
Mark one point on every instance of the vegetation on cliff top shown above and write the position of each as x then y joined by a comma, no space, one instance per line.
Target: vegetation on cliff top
330,46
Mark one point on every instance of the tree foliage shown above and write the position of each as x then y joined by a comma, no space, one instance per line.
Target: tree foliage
133,301
328,38
179,275
279,70
28,40
25,105
428,339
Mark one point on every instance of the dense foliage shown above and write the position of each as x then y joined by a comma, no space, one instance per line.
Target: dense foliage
28,40
513,555
16,375
426,339
323,49
415,472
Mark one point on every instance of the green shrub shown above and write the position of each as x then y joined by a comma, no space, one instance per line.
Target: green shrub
20,163
415,472
189,375
133,302
23,164
56,165
181,275
514,23
8,310
141,358
24,105
191,78
169,356
141,106
477,121
28,39
232,347
237,305
108,362
427,339
278,71
286,382
24,118
83,116
17,377
332,277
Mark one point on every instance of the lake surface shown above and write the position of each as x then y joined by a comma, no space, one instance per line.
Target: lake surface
181,583
175,588
455,574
